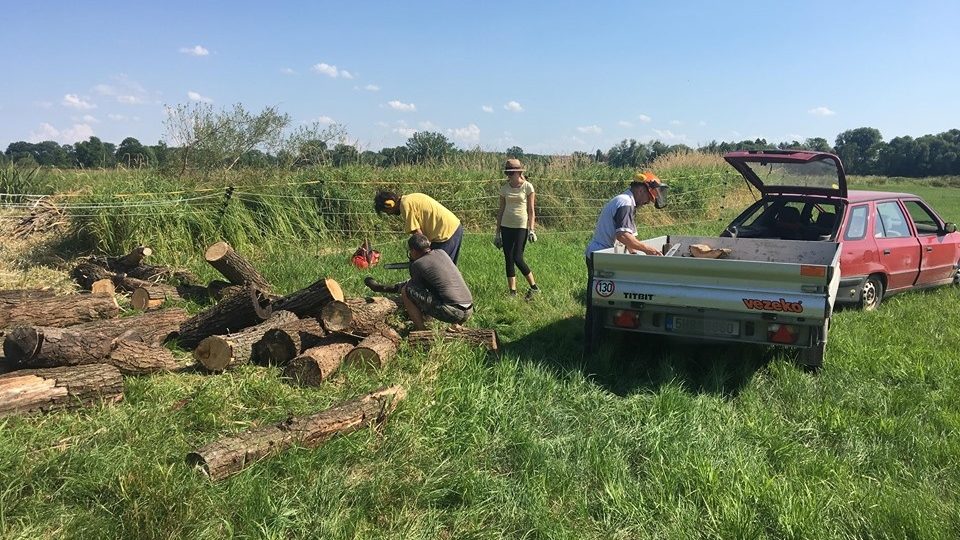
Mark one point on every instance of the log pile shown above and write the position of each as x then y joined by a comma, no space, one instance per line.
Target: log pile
41,390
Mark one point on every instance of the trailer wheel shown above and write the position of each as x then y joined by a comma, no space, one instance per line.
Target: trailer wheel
872,293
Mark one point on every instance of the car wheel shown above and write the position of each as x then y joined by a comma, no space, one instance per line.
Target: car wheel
872,293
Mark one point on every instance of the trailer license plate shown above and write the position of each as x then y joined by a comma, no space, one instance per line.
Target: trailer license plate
704,327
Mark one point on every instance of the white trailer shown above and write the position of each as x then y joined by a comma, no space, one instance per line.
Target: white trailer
769,292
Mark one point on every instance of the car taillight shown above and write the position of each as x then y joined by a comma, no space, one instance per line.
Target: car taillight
782,333
625,318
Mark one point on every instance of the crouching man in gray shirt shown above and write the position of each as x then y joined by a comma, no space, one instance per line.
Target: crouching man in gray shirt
436,287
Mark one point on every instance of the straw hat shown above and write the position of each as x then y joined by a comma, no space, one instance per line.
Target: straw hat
513,165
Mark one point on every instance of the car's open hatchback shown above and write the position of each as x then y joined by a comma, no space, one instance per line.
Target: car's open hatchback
791,172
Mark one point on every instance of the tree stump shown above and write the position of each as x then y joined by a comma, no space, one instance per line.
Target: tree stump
475,336
316,364
228,456
217,353
280,345
57,311
234,267
309,301
375,350
41,390
230,315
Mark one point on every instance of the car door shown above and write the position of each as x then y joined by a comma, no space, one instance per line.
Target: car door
859,248
937,254
899,249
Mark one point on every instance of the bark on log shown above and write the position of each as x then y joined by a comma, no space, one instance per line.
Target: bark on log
21,294
134,258
88,273
135,358
57,311
234,267
92,343
230,315
41,390
230,455
375,350
217,353
336,316
316,364
475,336
308,302
280,345
370,314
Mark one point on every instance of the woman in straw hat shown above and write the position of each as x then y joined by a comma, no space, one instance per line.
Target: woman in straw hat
516,220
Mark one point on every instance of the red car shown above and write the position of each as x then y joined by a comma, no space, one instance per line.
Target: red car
891,242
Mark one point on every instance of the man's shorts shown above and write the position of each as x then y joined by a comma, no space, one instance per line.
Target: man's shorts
430,305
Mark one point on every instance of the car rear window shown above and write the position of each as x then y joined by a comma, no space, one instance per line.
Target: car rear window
857,227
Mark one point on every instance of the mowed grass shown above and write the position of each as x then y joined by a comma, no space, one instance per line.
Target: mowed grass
647,439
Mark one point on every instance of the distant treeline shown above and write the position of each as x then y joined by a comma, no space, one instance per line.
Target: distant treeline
862,150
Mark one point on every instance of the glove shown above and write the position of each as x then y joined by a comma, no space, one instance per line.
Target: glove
531,237
497,240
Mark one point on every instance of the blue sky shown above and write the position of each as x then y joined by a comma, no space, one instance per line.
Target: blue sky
547,76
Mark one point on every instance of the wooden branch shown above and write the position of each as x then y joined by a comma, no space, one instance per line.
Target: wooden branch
135,257
228,456
234,267
316,364
475,336
134,358
217,353
375,351
57,311
232,314
308,302
42,390
280,345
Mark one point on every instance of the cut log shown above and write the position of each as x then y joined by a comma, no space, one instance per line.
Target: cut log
280,345
336,316
218,289
475,336
217,353
316,364
135,358
57,311
230,315
20,294
234,267
153,297
41,390
375,351
88,273
308,302
135,257
225,457
153,328
370,314
40,347
103,286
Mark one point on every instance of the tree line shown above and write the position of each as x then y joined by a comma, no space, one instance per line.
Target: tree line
203,139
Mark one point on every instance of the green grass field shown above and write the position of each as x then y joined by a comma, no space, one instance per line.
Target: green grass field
646,440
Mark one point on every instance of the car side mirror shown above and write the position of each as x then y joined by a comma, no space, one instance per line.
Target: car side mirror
950,227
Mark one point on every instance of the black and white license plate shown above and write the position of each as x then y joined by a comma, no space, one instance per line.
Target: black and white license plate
702,327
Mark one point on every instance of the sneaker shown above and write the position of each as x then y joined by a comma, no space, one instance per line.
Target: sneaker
531,293
513,292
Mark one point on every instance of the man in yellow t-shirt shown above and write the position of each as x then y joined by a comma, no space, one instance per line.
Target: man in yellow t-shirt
422,214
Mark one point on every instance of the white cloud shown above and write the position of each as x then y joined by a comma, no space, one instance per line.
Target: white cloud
326,69
624,123
346,74
469,134
371,88
117,117
406,132
195,96
513,106
398,105
591,130
487,109
196,50
644,118
674,122
90,119
702,123
382,124
123,90
76,102
667,135
288,71
428,126
821,111
323,119
77,132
